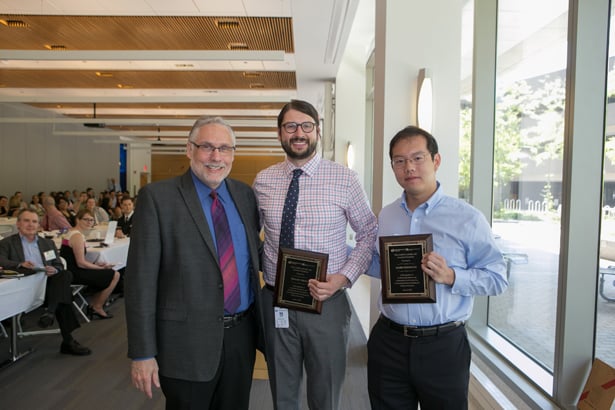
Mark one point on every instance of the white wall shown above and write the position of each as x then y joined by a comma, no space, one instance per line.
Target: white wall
33,159
350,123
419,34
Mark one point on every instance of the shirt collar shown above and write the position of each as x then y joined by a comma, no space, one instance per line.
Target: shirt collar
308,168
428,205
222,190
26,240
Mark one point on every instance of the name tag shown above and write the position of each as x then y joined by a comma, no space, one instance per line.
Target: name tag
280,317
49,255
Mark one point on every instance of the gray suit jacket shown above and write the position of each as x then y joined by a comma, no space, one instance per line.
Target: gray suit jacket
173,284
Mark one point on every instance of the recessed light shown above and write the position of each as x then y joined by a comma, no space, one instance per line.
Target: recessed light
257,85
227,23
55,47
237,46
103,74
14,23
251,74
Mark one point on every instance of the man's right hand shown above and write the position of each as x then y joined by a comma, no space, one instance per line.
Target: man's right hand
143,373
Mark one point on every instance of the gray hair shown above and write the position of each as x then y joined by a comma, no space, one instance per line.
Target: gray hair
201,122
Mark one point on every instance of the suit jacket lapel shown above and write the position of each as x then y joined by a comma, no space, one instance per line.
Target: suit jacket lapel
18,247
191,199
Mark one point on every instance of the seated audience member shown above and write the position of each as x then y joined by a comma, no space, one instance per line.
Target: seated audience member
4,206
68,213
36,206
97,276
124,223
16,203
53,218
100,215
116,213
25,251
80,202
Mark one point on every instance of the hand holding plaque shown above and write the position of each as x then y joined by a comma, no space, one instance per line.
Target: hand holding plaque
295,268
403,279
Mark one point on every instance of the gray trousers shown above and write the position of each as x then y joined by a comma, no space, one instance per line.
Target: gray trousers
317,341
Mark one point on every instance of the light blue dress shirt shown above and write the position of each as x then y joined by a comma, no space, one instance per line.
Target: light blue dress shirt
461,235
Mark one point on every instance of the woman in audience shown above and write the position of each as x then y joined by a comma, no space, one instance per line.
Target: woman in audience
68,213
97,276
36,206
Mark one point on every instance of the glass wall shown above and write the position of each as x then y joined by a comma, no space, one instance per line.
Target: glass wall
605,324
529,125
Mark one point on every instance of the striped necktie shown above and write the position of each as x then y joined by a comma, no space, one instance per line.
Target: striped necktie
287,230
226,255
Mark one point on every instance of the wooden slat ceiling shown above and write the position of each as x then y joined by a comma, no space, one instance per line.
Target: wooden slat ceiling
147,33
100,33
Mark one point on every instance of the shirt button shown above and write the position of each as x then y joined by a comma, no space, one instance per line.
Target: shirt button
220,286
220,318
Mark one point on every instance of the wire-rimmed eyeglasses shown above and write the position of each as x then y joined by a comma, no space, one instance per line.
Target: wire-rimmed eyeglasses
209,149
416,159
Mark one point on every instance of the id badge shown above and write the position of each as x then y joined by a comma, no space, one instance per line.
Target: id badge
281,317
49,255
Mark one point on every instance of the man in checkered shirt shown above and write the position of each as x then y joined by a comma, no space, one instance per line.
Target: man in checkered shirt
330,198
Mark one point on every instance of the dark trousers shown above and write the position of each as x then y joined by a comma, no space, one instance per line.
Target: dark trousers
403,372
59,298
230,387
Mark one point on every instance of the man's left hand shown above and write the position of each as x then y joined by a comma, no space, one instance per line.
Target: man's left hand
324,290
435,266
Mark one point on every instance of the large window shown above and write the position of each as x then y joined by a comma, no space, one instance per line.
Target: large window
605,325
529,135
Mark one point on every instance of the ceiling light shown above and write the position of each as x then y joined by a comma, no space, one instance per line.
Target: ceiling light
14,23
237,46
124,86
103,74
55,47
251,74
227,23
257,85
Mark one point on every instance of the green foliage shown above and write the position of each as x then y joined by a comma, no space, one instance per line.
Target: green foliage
529,123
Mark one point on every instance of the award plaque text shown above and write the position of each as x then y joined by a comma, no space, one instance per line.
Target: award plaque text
295,268
403,280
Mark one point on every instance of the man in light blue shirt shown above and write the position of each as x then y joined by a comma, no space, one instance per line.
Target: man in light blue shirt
418,353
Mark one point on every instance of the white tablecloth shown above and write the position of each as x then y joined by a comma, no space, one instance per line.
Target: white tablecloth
116,253
21,294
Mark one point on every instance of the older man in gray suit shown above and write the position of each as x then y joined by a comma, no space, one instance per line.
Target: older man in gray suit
192,285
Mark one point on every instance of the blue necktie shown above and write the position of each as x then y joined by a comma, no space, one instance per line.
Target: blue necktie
287,231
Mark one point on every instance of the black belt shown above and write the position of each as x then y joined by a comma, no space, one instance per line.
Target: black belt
233,320
270,287
421,331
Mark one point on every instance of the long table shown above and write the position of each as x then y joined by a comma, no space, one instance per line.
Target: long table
116,253
17,296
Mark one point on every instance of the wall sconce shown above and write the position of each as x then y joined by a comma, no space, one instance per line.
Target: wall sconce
424,100
350,156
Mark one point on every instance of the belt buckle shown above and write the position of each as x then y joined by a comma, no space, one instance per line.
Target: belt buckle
406,334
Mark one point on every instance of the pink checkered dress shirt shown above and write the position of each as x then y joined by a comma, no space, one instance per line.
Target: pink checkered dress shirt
330,198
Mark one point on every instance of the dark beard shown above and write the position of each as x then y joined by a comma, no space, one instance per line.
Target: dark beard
286,146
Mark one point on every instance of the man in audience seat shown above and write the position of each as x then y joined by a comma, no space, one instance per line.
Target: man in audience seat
53,219
25,252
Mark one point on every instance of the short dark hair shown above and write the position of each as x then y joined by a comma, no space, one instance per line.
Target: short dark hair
301,106
413,131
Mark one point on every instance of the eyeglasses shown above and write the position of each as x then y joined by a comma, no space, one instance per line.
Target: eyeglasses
291,127
209,149
88,219
400,162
